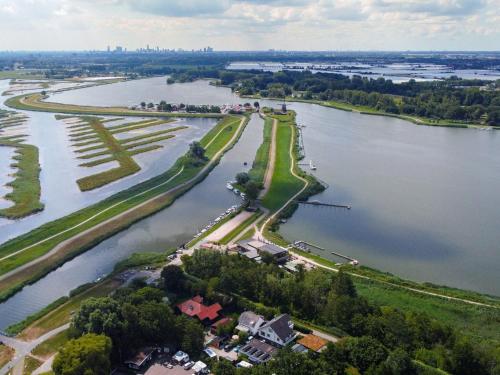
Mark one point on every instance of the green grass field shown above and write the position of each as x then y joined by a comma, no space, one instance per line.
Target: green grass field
21,74
475,321
51,346
284,185
259,165
26,184
57,231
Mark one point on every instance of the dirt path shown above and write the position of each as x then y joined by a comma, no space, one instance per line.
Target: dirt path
268,177
228,227
102,226
258,233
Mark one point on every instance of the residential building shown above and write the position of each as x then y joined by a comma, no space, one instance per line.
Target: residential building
140,359
279,331
194,307
313,342
258,351
250,322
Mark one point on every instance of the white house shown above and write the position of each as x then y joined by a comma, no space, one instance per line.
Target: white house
250,322
279,330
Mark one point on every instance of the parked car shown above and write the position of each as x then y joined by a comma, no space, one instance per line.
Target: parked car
188,365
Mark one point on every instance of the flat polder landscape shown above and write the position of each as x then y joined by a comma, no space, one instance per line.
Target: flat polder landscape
271,212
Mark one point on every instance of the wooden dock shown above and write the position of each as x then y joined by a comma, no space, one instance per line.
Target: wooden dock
303,245
318,203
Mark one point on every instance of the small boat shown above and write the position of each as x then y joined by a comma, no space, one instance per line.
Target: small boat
236,191
243,195
229,186
312,166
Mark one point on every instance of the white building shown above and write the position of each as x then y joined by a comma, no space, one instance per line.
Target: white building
279,331
250,322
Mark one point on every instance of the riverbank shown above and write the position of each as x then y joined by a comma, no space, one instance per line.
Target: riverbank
29,257
35,102
372,111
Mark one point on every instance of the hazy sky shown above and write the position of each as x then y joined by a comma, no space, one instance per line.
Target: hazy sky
251,24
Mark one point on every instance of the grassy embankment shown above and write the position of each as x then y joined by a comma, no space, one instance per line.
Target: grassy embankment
259,165
80,231
384,290
51,346
34,102
26,184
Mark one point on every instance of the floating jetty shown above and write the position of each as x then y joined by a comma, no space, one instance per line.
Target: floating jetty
318,203
303,245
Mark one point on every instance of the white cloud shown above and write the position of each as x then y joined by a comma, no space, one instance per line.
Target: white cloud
249,24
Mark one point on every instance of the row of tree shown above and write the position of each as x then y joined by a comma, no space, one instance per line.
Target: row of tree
113,328
452,98
331,300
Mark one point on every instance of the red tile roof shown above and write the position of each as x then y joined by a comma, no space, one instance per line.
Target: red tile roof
195,307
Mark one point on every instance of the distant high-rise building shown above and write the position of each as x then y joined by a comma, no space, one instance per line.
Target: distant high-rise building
119,49
109,49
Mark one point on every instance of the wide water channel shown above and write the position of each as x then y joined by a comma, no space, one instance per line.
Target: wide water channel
425,201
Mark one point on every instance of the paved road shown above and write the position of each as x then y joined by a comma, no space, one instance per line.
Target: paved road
23,348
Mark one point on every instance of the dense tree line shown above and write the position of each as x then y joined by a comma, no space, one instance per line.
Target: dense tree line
380,335
451,99
134,317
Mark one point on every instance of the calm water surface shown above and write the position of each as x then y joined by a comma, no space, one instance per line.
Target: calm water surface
60,169
425,200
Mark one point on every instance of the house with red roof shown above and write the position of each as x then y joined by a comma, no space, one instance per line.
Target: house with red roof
194,307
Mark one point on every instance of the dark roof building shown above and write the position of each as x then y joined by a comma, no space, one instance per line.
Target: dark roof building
254,249
141,358
258,351
279,330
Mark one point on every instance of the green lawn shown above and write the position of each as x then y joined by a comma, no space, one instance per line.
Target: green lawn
62,314
48,348
284,185
259,166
